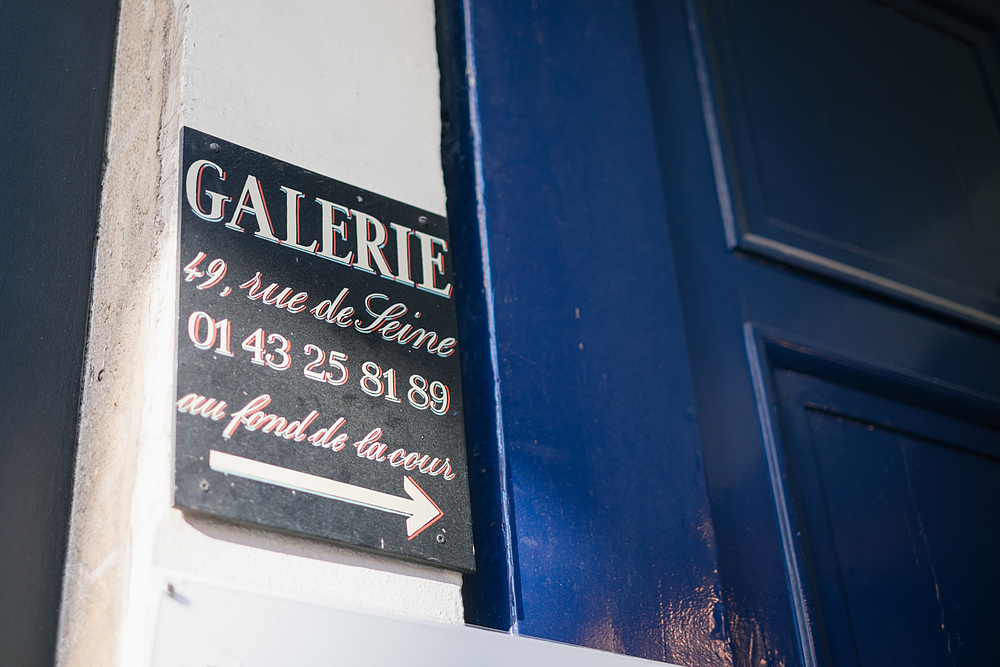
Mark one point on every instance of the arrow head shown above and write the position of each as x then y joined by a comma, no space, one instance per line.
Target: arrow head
425,510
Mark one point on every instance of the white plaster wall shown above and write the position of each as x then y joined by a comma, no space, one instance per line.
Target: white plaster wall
347,88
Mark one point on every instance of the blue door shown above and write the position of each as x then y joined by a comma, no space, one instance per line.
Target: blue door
795,460
836,221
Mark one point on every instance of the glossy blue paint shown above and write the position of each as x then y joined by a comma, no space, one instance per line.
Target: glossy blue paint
896,508
579,399
827,183
888,107
923,361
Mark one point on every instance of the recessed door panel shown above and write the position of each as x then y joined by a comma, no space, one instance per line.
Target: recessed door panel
855,514
861,141
894,517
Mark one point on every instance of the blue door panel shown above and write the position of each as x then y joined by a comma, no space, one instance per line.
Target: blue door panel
898,348
871,328
889,109
897,506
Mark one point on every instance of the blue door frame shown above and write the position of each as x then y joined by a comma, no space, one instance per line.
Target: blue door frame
591,512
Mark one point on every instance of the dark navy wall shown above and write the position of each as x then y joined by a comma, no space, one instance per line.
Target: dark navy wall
55,68
587,453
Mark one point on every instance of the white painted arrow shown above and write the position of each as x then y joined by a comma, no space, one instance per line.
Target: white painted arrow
419,509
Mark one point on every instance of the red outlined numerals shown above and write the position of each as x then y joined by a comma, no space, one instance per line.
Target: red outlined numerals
371,379
254,343
281,352
278,359
274,351
205,331
336,360
372,384
216,271
421,396
191,271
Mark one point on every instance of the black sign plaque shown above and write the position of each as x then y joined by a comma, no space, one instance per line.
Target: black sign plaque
318,385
